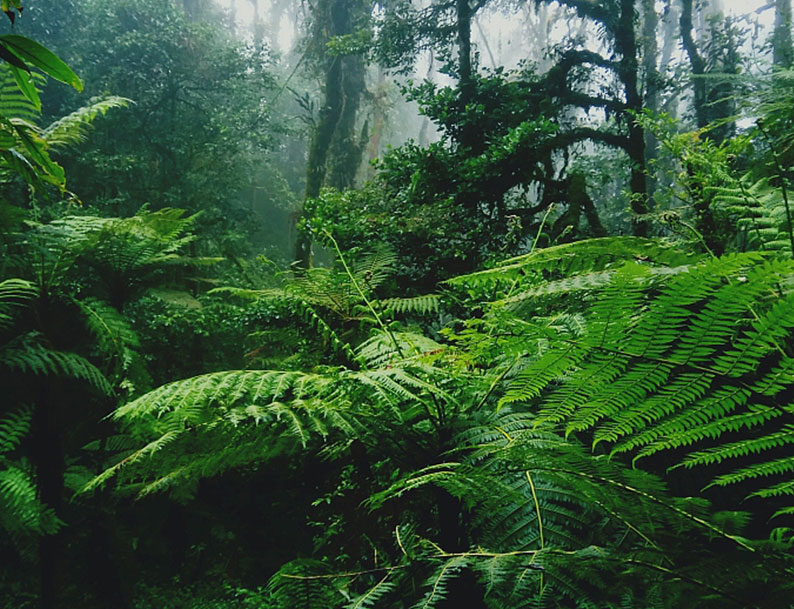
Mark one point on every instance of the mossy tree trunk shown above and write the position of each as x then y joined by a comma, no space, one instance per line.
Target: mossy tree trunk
626,46
335,151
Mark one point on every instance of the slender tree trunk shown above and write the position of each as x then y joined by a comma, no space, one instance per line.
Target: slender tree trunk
258,26
670,42
379,122
650,51
782,49
464,17
346,146
696,62
626,45
423,139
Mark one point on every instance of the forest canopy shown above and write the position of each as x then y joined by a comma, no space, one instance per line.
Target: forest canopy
406,303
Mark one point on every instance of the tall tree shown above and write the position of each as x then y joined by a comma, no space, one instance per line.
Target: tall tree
335,150
652,80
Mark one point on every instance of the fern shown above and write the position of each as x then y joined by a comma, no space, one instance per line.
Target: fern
684,360
39,360
21,511
759,211
372,596
13,428
296,586
438,582
13,293
416,305
72,128
113,333
580,257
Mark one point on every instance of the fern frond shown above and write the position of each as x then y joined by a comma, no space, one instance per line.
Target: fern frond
20,509
13,428
73,128
14,293
295,587
438,583
114,335
372,596
39,360
684,363
416,305
589,255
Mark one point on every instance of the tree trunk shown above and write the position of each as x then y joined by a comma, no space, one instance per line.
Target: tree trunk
464,17
626,45
696,62
334,135
650,22
782,50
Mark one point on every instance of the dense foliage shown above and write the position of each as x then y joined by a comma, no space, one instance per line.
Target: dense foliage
490,396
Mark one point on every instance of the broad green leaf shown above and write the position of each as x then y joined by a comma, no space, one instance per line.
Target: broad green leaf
11,58
26,86
36,149
37,55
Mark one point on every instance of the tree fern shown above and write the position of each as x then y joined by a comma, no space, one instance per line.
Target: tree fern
648,358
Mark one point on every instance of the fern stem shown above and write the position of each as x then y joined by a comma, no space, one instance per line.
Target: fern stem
371,591
364,297
532,249
495,382
540,228
540,523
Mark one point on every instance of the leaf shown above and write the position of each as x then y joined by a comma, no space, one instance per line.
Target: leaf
48,62
36,149
26,85
8,56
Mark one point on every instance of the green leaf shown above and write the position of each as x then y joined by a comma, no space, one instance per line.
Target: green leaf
35,54
8,56
36,148
26,86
